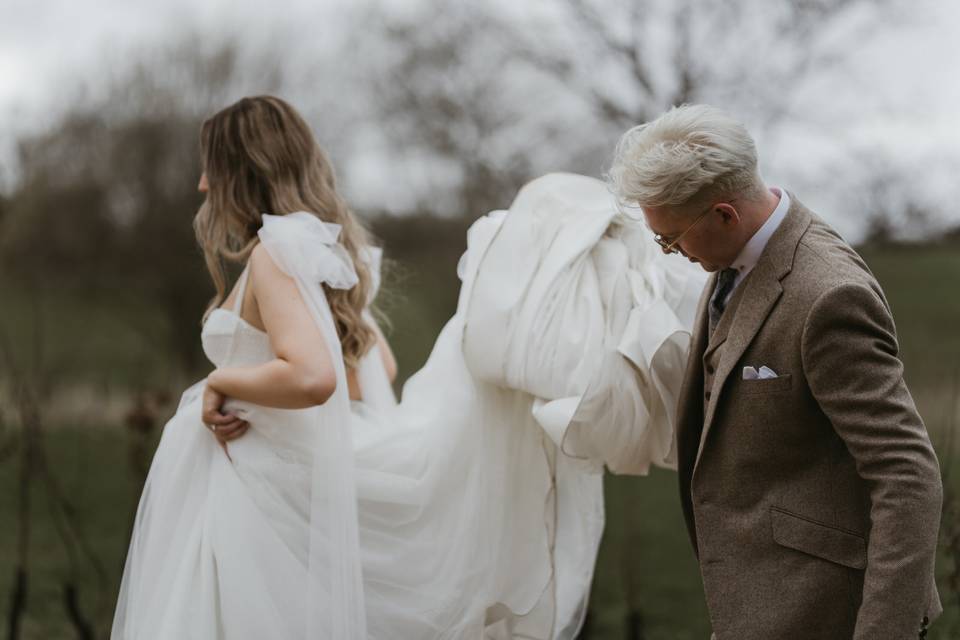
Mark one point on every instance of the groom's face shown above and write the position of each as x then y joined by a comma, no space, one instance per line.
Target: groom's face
711,242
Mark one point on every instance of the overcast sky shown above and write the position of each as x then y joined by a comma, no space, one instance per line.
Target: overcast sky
46,44
42,39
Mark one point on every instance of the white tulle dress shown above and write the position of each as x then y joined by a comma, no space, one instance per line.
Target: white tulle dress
470,509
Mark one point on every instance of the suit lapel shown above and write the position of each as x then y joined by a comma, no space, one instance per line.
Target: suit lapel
717,338
690,400
761,293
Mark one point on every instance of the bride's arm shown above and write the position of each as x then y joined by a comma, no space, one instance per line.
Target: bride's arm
302,375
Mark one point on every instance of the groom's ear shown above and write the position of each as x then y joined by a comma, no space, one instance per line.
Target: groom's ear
728,213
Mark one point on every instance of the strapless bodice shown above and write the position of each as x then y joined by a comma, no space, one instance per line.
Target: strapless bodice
229,340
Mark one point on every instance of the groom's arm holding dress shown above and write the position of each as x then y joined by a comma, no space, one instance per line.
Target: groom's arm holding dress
849,354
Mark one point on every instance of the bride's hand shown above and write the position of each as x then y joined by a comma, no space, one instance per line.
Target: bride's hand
225,426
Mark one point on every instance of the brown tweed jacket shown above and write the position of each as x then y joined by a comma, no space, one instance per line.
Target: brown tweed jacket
812,499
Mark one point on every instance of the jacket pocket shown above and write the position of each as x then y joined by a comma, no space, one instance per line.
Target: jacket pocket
817,539
767,385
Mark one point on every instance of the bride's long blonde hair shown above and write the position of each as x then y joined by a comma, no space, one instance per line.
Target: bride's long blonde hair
260,157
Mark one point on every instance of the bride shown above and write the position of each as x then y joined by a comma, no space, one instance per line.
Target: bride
292,496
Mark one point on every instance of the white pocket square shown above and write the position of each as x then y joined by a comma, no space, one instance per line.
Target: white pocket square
765,373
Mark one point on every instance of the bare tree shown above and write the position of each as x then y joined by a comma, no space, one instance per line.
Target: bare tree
662,54
440,99
496,97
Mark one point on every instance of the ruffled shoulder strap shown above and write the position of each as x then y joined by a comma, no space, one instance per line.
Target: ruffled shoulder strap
304,245
306,248
373,256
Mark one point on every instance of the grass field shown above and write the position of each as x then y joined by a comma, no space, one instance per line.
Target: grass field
646,573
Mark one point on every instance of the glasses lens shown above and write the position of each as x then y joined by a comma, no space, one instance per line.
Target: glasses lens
664,244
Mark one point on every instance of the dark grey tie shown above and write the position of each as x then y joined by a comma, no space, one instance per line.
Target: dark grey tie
719,300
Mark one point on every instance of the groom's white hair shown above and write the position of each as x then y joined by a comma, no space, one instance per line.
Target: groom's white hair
692,152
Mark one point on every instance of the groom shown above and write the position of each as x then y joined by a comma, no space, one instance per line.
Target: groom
810,489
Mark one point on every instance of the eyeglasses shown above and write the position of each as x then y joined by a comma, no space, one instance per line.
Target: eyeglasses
670,246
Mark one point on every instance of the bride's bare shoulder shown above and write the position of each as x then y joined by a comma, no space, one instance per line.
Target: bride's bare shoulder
266,279
263,267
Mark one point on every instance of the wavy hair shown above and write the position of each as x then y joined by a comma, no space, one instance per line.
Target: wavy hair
260,156
692,152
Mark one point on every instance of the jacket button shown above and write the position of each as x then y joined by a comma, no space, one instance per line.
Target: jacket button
707,396
926,620
710,369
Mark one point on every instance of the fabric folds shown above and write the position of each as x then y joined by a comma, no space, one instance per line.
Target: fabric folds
577,306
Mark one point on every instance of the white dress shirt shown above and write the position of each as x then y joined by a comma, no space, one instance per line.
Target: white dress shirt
747,259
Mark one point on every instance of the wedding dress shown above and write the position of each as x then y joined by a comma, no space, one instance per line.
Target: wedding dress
473,507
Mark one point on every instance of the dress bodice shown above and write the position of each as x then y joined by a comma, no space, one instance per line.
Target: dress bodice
229,340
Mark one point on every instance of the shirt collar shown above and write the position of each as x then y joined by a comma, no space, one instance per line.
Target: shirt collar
751,252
